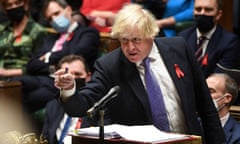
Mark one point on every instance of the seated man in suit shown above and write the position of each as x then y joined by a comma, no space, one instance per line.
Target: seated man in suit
210,42
224,92
156,76
55,116
71,38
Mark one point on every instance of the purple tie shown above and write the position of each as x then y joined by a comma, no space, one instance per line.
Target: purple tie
155,98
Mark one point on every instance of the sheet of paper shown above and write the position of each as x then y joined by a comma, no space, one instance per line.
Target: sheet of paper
146,133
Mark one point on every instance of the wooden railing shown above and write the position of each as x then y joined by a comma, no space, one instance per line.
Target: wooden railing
235,112
107,43
11,92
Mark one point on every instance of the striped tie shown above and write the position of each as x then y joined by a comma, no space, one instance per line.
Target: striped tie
199,51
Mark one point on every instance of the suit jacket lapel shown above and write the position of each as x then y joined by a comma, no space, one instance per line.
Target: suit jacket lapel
193,41
212,43
169,60
228,128
132,76
59,116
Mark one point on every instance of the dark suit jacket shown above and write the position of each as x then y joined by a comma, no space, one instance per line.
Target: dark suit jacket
84,41
53,116
232,131
223,48
131,106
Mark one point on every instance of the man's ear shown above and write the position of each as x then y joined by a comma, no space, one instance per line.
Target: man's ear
229,98
89,75
69,9
218,16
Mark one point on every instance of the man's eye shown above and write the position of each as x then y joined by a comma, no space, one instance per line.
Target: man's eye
137,40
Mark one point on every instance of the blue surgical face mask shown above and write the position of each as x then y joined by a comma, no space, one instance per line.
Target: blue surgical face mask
60,24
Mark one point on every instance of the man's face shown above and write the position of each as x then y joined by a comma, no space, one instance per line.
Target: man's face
54,10
134,47
216,86
77,68
208,8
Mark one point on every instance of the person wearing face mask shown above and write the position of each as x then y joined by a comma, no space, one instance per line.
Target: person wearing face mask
70,38
20,37
224,92
55,116
210,42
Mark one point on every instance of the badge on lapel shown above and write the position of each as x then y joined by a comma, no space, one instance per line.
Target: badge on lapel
70,36
179,72
205,60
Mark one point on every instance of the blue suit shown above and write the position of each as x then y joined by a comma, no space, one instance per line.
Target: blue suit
223,48
131,106
232,131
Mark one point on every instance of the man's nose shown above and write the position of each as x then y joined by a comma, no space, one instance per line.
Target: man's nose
202,12
131,45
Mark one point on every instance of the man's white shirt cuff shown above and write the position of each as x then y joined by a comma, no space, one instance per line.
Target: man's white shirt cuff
68,93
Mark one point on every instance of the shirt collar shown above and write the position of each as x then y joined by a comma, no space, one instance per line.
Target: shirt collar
72,27
224,119
152,55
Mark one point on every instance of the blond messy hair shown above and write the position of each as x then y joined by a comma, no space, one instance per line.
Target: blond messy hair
134,16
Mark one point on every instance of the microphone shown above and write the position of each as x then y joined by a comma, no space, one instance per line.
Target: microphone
110,95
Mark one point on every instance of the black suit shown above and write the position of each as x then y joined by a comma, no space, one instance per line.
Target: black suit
223,48
131,106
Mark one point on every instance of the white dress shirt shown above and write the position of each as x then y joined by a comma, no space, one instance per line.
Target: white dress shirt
208,35
170,95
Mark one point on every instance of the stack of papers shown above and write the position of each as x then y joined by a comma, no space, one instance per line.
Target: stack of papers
146,133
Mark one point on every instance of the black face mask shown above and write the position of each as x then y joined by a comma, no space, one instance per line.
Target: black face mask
16,15
204,23
80,82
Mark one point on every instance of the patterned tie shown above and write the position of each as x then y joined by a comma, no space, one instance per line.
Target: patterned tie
199,51
155,98
65,130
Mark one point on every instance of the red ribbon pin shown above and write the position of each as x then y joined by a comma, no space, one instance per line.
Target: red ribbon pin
179,72
70,36
205,60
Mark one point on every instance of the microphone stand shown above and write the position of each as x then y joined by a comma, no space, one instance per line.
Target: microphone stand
101,125
99,106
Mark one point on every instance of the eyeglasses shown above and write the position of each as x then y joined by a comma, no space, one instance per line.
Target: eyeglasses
134,40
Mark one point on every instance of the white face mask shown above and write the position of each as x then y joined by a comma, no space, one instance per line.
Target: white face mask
217,100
